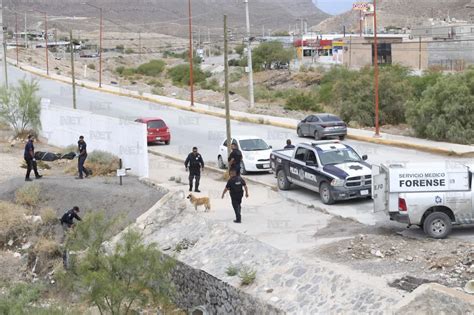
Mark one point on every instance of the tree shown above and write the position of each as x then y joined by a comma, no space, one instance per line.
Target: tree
269,54
131,274
180,74
20,106
444,111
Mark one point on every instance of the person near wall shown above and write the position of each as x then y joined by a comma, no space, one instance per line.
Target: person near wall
82,148
29,156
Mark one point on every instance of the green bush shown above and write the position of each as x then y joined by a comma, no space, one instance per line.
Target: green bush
232,271
303,101
133,274
212,84
91,66
445,111
180,74
152,68
129,51
247,276
269,54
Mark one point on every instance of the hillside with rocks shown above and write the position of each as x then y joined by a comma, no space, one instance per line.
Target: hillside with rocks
170,17
403,13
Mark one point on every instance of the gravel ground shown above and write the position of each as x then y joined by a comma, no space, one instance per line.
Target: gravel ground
405,262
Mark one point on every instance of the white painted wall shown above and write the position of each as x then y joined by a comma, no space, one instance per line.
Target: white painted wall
125,139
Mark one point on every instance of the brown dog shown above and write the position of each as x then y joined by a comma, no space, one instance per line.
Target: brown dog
203,201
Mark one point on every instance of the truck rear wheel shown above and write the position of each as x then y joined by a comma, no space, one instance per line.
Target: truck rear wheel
283,183
325,193
437,225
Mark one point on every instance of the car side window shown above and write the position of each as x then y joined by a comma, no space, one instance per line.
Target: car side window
315,119
300,154
311,157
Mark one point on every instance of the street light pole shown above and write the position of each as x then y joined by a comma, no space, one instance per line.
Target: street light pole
249,56
100,39
191,74
376,73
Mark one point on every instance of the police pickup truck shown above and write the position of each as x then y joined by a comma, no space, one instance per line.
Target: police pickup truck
331,168
433,196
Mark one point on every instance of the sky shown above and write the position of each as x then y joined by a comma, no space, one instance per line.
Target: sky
334,6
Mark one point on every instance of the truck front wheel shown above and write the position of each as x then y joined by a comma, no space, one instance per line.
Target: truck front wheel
283,183
326,194
437,225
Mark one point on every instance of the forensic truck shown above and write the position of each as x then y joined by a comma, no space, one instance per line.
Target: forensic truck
432,196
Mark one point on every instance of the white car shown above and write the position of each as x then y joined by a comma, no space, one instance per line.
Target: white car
255,154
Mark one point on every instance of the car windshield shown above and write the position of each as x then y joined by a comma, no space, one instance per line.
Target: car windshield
329,118
156,124
253,145
339,156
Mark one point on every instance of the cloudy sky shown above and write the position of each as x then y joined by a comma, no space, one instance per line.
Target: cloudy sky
334,6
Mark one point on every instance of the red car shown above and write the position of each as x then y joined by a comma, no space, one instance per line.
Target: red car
157,130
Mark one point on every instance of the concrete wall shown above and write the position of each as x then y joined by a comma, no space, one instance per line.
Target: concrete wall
408,54
451,55
125,139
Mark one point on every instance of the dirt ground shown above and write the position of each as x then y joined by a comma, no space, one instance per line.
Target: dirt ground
405,262
61,192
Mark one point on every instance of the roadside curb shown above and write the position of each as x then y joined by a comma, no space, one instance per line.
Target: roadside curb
258,121
211,168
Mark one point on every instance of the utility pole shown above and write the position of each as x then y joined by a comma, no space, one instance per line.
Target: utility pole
16,37
209,42
419,53
46,41
226,87
26,32
72,71
360,22
100,48
140,45
249,56
4,41
376,73
191,79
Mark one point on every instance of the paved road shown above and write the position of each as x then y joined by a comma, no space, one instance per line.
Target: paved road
189,129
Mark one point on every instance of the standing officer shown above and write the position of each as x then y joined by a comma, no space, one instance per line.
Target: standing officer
289,145
29,156
235,158
82,148
195,163
236,186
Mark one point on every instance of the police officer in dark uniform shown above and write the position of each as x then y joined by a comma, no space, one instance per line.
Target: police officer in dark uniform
235,158
82,148
194,163
29,156
236,186
289,145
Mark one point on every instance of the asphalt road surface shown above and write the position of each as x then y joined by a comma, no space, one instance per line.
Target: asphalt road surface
206,132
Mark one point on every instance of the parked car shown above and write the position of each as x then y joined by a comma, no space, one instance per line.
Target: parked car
321,126
157,130
255,154
330,168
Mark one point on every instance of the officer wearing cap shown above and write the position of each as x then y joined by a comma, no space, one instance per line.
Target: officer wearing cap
194,163
82,148
236,186
235,158
29,156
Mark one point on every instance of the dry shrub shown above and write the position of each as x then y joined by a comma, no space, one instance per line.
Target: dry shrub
101,163
48,216
40,164
13,224
47,248
28,195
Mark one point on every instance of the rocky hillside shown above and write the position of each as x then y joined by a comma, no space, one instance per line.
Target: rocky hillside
403,13
170,16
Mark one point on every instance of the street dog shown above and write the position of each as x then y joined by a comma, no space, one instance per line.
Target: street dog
203,201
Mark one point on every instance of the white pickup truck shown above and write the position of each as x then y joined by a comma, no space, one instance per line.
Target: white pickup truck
432,196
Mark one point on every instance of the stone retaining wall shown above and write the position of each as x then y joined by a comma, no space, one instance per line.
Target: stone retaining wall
198,288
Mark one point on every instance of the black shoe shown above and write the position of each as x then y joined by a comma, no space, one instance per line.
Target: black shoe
190,189
39,176
28,180
235,221
197,190
79,177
